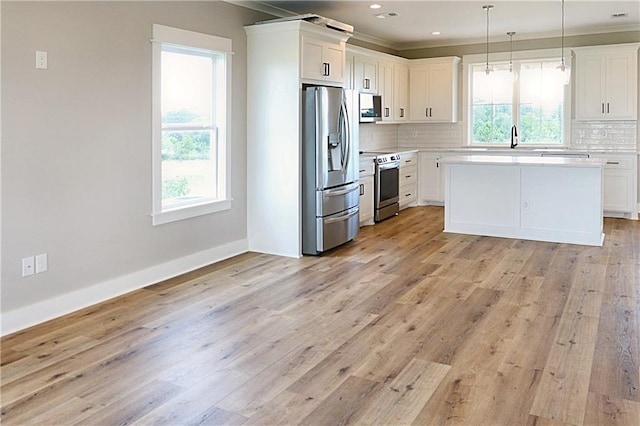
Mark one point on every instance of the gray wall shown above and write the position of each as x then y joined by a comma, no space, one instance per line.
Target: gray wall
76,148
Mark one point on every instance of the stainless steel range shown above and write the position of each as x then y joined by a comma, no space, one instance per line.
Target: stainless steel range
387,186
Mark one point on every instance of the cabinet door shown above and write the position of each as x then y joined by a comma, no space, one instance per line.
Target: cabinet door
620,86
366,200
418,100
348,72
590,77
322,60
312,64
365,75
334,55
440,96
430,178
385,75
400,93
618,190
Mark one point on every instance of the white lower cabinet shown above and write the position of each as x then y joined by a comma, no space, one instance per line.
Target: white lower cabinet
408,180
431,179
619,187
366,191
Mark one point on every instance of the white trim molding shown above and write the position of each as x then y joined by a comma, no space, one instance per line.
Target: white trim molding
37,313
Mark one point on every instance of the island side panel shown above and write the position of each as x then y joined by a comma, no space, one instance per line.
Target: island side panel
562,204
535,201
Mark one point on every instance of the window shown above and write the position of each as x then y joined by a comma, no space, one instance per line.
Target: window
190,103
534,102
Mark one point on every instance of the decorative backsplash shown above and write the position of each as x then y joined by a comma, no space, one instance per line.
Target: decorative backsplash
604,134
584,134
378,136
432,135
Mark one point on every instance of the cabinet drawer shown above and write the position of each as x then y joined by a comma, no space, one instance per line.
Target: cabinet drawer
408,160
366,167
408,195
408,175
619,163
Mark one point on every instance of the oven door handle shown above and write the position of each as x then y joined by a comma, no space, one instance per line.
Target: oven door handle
394,165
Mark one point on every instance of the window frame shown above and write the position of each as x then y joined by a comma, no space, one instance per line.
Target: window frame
213,45
469,61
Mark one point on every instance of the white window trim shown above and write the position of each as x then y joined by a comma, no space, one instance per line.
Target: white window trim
468,61
168,35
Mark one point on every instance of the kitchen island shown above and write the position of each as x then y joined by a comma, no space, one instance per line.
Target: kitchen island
535,198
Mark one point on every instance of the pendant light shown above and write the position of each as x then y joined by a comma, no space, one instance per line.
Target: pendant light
563,68
487,68
514,74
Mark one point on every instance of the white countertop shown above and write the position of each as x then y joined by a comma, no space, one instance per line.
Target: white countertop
506,160
517,151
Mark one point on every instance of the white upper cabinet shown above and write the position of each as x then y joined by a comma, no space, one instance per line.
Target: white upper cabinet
365,74
433,94
606,82
387,89
400,92
323,60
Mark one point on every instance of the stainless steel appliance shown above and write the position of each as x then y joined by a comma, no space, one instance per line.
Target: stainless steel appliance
370,107
387,186
330,191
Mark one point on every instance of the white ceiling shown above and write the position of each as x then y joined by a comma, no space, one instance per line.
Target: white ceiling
464,22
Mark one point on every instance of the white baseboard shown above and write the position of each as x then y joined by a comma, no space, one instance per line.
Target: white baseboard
46,310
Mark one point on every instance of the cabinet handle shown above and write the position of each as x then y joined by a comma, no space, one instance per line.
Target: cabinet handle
407,176
401,112
607,107
367,84
426,112
437,164
613,162
602,107
326,69
407,195
407,161
361,189
362,170
386,111
430,112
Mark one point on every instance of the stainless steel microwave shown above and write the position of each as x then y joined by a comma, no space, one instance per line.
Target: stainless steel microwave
370,107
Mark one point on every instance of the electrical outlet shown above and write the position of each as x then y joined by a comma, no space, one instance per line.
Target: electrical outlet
41,263
28,266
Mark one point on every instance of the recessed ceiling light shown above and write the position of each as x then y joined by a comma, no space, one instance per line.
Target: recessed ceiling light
375,6
381,16
619,15
435,33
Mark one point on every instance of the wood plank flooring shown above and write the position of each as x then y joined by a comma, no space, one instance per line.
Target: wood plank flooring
406,325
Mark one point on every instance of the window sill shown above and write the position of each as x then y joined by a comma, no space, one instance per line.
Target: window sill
187,212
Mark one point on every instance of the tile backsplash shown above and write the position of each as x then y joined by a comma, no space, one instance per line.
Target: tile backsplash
604,134
584,134
432,135
436,135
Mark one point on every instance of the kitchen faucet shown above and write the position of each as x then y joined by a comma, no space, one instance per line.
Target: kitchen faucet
514,136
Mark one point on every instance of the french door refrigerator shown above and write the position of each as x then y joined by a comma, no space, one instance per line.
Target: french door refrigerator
330,190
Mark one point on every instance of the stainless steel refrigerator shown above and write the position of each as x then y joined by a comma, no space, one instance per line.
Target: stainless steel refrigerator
330,190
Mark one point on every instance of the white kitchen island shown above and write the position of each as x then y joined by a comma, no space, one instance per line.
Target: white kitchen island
534,198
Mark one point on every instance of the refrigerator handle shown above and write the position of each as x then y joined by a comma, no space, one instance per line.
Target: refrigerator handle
347,133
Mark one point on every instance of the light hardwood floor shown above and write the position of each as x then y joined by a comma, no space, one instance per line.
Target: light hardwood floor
406,325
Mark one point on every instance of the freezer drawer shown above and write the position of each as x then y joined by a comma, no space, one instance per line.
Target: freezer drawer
337,229
331,201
